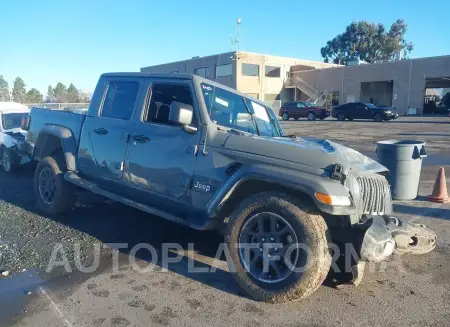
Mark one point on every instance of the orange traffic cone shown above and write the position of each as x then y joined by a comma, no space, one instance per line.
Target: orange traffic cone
440,188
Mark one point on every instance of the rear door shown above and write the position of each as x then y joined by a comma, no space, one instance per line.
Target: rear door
110,129
364,111
162,156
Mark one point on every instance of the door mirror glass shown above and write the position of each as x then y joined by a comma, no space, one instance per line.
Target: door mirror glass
181,113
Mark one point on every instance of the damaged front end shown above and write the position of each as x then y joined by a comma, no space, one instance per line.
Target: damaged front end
378,237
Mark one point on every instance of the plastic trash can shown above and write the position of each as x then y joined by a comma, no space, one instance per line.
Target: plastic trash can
403,158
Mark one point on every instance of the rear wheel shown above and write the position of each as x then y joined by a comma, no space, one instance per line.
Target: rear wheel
311,116
340,116
9,160
285,116
278,248
377,117
53,193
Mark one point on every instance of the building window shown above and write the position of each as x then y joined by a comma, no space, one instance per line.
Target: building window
250,70
202,71
272,71
271,97
224,70
120,99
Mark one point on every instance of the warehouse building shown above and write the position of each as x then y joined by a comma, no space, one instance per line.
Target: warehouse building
275,80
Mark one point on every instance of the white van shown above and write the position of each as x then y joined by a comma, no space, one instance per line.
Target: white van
12,137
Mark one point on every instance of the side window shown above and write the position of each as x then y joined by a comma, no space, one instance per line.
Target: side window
228,109
161,97
300,105
120,100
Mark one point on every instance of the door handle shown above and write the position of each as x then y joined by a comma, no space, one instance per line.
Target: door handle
141,138
101,131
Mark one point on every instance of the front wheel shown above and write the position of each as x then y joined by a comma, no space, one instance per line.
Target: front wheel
285,116
278,248
340,116
53,193
378,118
311,116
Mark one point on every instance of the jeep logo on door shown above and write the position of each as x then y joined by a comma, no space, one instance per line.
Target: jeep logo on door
202,187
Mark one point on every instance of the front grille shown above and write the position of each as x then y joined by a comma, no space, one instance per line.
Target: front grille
374,194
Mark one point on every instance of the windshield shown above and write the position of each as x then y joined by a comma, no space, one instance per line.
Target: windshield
232,110
10,121
370,105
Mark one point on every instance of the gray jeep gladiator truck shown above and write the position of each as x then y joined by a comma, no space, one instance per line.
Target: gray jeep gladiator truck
201,154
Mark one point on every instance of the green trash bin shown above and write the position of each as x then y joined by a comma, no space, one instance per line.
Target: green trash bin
403,158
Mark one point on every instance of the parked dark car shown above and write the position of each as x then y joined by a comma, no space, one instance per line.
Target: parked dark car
359,110
302,109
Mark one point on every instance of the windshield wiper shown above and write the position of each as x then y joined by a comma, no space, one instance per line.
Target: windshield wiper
232,130
292,136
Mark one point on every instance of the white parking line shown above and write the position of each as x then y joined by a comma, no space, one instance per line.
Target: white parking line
55,308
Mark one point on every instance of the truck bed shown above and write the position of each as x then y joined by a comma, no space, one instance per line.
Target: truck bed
42,117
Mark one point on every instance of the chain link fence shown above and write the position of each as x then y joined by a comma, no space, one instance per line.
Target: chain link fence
59,106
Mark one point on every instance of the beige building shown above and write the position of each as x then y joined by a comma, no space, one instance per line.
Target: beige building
401,84
258,75
275,80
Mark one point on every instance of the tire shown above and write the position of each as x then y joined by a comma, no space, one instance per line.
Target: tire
378,118
285,116
306,226
340,116
9,160
311,116
49,174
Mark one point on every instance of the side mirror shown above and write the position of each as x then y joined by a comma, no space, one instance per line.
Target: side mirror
182,114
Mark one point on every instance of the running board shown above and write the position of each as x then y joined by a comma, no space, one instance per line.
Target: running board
73,178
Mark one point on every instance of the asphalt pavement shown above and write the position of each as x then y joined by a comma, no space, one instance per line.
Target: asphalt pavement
138,290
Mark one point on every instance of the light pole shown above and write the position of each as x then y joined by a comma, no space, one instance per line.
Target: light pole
238,41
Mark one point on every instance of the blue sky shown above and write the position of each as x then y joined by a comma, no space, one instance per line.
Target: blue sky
75,41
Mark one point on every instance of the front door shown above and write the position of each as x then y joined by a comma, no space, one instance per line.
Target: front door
109,130
161,155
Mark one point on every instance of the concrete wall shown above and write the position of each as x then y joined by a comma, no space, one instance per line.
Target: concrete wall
210,62
409,78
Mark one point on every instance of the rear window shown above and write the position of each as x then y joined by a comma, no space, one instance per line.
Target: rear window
120,100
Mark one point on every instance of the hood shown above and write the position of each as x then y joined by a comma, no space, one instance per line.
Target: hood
316,153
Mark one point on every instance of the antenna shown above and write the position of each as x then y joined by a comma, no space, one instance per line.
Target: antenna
238,40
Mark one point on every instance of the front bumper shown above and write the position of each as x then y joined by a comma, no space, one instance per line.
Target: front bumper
393,115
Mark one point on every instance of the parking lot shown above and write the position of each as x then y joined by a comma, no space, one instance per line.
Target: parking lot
410,291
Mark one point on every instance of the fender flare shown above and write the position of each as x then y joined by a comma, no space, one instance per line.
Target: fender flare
43,147
303,182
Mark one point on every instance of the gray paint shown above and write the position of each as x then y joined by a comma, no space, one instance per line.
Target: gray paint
186,174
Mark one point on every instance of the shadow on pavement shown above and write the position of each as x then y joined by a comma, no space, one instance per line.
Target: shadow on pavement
112,222
441,213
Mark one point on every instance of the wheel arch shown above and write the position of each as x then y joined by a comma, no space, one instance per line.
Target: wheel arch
54,138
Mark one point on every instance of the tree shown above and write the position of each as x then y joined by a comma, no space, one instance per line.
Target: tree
50,95
18,92
369,42
4,89
34,96
73,96
85,97
60,92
